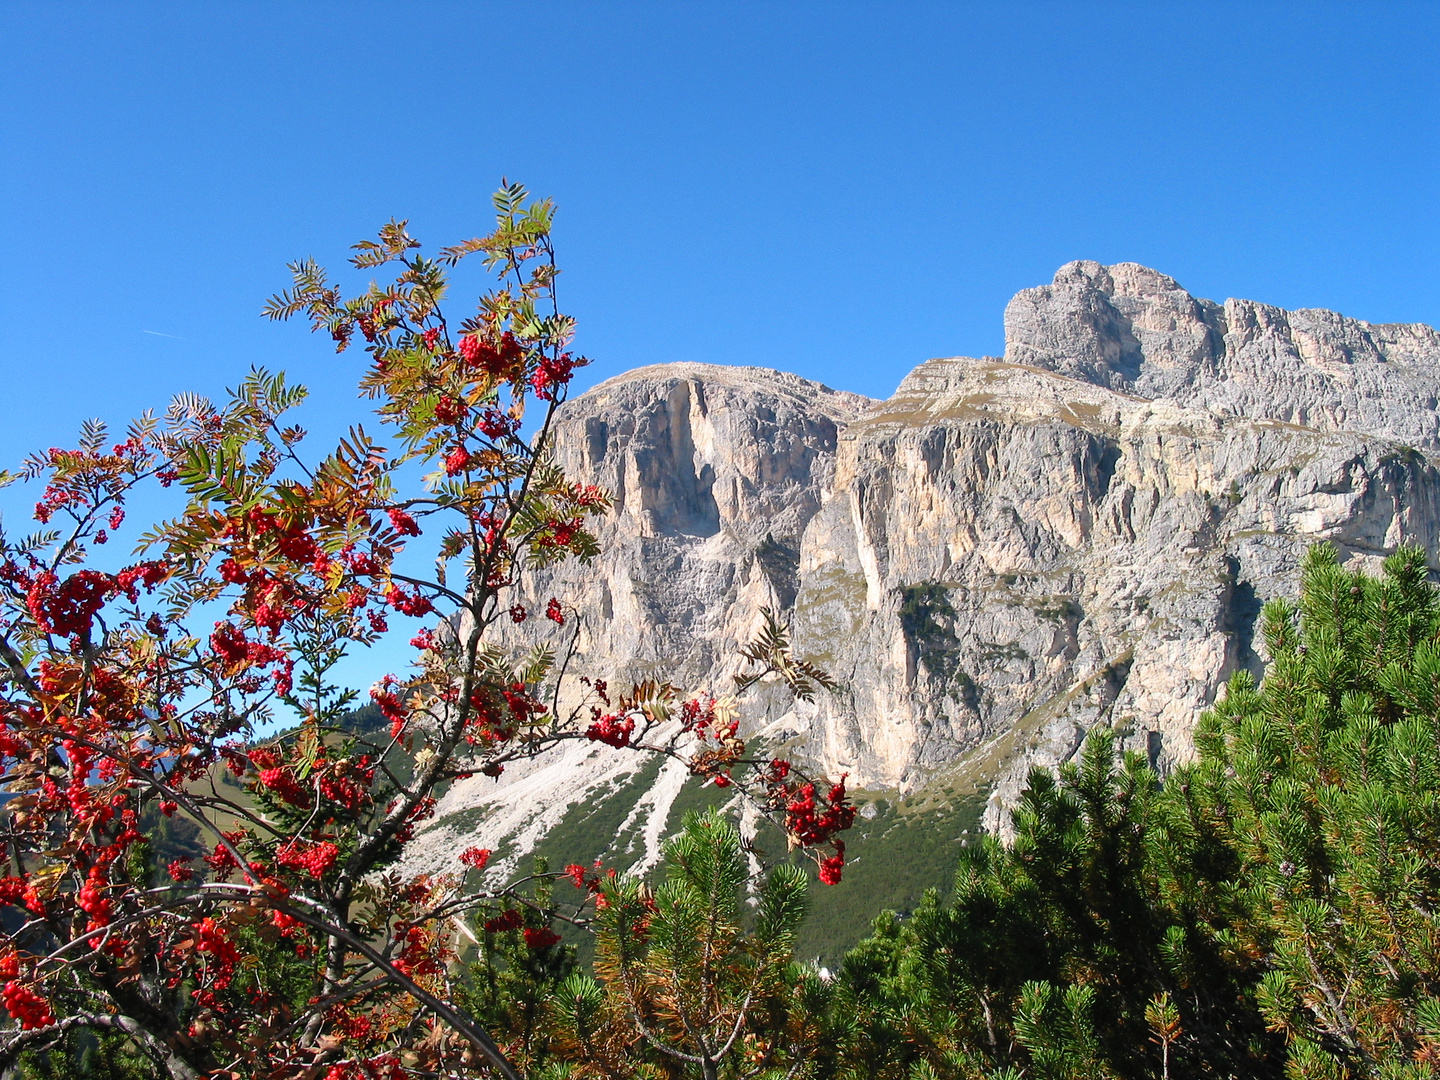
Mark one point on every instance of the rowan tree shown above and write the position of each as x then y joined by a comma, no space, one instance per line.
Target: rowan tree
298,945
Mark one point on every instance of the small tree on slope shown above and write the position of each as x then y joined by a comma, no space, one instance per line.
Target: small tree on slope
683,984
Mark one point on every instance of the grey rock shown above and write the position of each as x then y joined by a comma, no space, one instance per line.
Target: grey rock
1012,556
1136,331
715,473
1009,552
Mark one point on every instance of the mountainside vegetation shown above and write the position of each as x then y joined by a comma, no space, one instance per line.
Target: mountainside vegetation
1267,910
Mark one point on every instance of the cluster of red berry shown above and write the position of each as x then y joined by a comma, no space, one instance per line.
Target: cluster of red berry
540,937
347,781
280,780
550,374
402,522
390,706
26,1006
213,940
67,608
316,859
814,828
509,919
381,1067
612,730
237,653
18,892
421,954
411,603
220,860
494,424
476,858
503,358
457,461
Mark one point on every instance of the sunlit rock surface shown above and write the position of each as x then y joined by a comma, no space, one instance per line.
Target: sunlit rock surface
1007,552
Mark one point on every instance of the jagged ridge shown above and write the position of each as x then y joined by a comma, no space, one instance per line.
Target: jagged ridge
1005,553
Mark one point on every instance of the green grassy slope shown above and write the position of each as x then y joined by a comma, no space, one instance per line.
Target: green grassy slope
897,849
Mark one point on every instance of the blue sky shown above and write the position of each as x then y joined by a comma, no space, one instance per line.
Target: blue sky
841,190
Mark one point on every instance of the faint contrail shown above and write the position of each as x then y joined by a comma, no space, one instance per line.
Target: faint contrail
157,333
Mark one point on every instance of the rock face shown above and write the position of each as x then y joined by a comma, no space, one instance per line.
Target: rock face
715,473
1010,551
1012,556
1131,329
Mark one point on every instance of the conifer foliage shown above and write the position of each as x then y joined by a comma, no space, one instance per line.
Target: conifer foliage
1325,783
683,982
1062,955
1270,909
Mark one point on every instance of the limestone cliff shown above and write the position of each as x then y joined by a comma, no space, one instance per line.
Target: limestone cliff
1010,551
1136,331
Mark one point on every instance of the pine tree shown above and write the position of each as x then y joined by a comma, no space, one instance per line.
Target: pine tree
1325,781
1060,954
1268,910
689,982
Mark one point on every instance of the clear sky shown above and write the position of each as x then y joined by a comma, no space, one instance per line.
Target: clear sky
837,189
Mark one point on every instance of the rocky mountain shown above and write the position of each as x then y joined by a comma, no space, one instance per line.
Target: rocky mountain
1003,555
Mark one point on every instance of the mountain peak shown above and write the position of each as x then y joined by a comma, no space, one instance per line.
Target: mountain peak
733,377
1133,329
